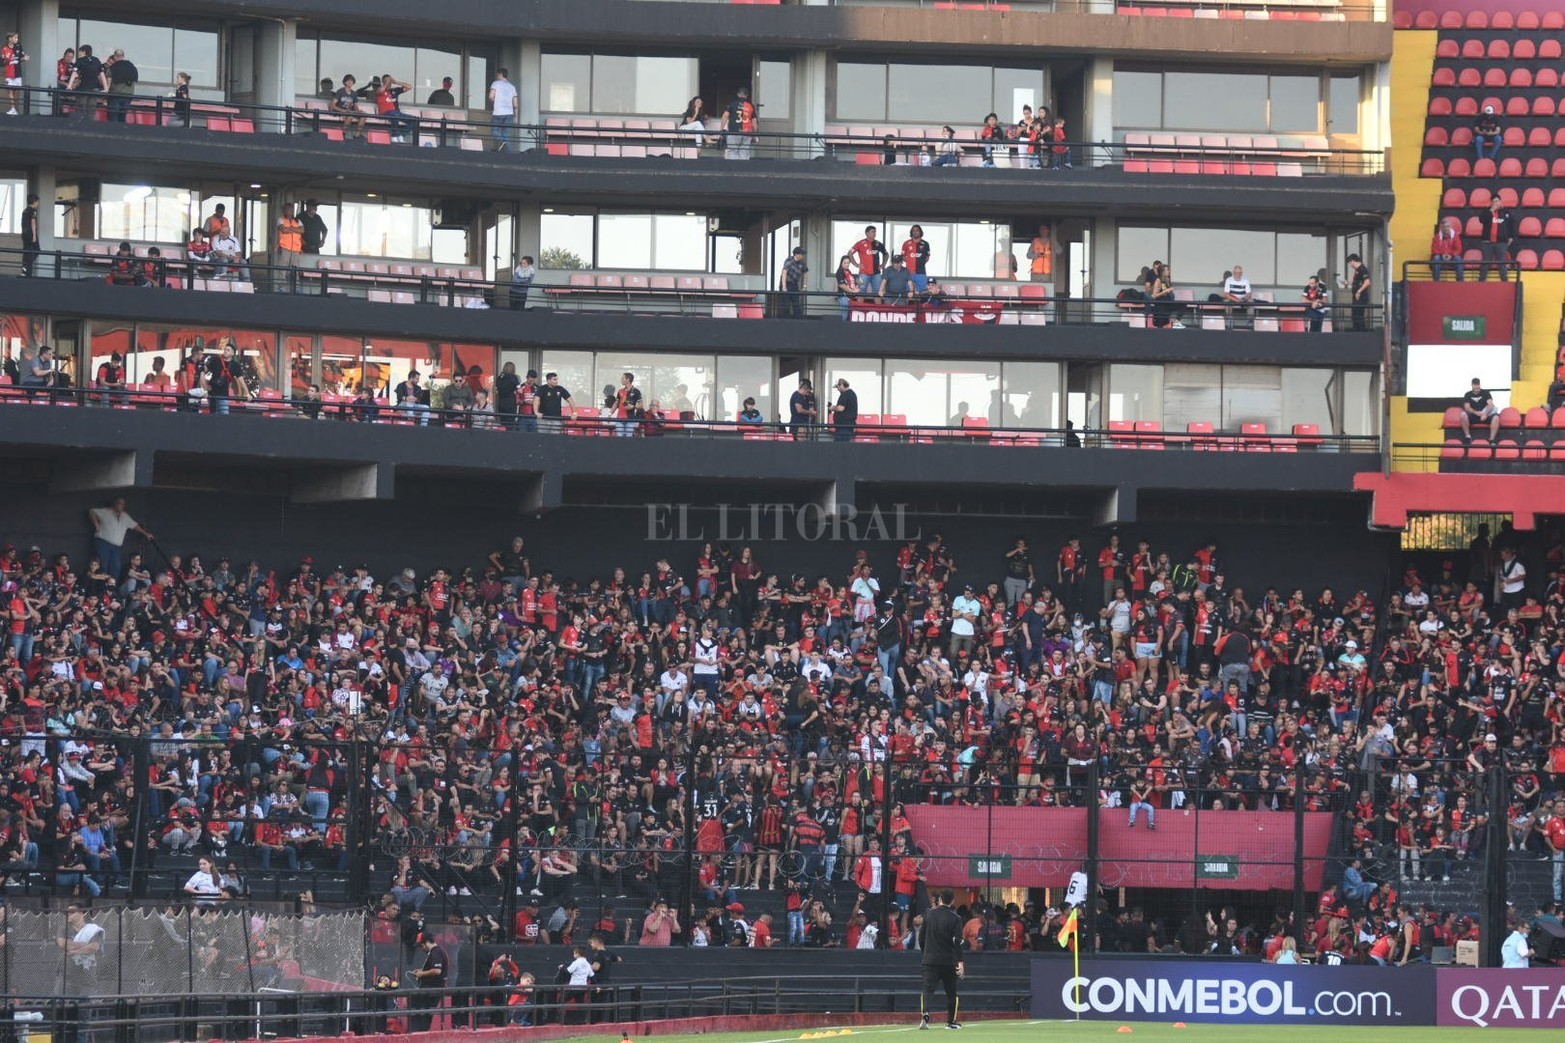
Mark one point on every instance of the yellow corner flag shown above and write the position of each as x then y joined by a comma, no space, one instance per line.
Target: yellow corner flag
1068,931
1069,936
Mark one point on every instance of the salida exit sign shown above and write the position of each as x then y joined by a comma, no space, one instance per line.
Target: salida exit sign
1465,327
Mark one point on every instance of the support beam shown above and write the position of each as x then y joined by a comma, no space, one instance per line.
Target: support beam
1118,507
543,494
347,482
837,495
102,471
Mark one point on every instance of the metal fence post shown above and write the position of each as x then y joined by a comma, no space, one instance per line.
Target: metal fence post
1087,918
1492,926
1299,912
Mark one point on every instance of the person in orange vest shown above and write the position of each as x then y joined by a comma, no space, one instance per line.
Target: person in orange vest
1041,254
290,239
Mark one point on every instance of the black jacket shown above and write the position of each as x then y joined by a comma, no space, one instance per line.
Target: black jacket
941,939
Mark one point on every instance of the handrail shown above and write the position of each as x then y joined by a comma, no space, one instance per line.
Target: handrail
1001,302
587,421
571,136
1424,271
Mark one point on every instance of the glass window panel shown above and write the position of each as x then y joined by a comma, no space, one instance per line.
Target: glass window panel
195,52
374,229
1191,392
575,370
974,391
1014,88
108,339
938,93
256,351
863,376
1304,398
625,241
565,83
1360,402
1135,392
845,233
300,351
1138,98
566,241
938,235
21,336
663,86
913,389
1083,394
479,77
385,363
1296,103
861,91
306,72
476,360
448,245
151,47
144,214
1032,395
13,200
364,60
739,378
1201,255
1299,256
679,242
1252,395
773,90
1344,102
1216,101
1138,248
609,367
614,83
677,383
342,366
431,65
332,215
976,248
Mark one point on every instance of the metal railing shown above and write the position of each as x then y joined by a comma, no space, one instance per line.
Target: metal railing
588,136
590,421
953,301
1458,269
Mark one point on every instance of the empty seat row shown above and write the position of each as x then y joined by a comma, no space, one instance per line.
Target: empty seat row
1258,13
1478,19
1499,49
1519,78
1533,450
1222,154
1528,227
620,138
1441,107
1509,167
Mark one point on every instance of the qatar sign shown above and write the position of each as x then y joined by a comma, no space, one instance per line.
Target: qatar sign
1518,999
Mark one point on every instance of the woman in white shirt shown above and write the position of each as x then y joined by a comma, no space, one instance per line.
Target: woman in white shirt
204,882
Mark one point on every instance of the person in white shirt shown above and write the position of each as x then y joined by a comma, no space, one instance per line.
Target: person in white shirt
706,660
1513,579
673,682
965,611
580,972
502,109
1236,295
1515,952
110,526
204,882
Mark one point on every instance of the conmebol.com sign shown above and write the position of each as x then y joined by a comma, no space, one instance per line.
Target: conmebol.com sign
1193,990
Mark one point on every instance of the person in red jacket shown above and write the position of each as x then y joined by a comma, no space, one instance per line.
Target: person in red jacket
1446,250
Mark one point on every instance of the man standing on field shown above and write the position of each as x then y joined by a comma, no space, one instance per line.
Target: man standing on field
942,945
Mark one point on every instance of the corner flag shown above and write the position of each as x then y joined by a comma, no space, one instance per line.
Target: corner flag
1068,931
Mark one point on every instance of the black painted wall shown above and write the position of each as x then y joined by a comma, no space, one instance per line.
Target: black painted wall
428,526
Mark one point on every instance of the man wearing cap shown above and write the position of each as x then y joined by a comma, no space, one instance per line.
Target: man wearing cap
965,611
431,978
110,525
898,284
793,274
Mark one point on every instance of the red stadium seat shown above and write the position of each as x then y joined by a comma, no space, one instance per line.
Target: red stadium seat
1453,417
1537,417
1521,79
1472,48
1480,450
1479,199
1542,106
1448,49
1550,50
1508,197
1527,20
1529,227
1502,20
1539,137
1554,19
1536,167
1548,78
1527,260
1524,51
1510,417
1443,77
1432,167
1461,137
1506,449
1532,198
1535,450
1440,106
1557,198
1557,419
1453,449
1454,199
1435,137
1553,261
1499,49
1465,106
1477,20
1469,77
1514,137
1554,228
1426,20
1460,167
1399,20
1494,78
1474,227
1517,106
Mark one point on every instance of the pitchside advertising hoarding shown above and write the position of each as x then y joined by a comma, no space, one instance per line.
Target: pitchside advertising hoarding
1458,331
1266,993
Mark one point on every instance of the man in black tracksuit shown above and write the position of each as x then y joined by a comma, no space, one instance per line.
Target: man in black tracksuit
941,941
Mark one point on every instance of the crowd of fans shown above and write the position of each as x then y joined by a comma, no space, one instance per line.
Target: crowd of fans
542,733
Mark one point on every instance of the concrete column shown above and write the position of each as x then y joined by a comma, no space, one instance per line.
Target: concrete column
528,235
809,95
1099,98
40,28
524,58
1104,259
275,53
42,181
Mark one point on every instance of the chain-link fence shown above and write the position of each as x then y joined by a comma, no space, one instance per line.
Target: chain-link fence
171,951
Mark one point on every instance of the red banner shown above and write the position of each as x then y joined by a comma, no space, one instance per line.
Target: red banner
1231,850
1445,313
966,312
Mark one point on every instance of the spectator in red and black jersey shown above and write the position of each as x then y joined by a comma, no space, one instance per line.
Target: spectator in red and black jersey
870,255
915,254
388,96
